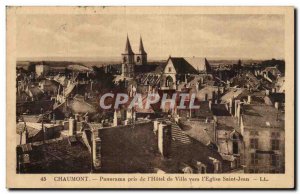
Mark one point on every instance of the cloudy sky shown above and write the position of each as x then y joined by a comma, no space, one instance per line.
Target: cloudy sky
224,36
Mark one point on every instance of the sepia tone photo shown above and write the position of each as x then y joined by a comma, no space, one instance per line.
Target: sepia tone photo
160,91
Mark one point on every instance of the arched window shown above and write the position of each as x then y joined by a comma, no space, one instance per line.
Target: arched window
124,59
169,81
235,147
138,59
235,144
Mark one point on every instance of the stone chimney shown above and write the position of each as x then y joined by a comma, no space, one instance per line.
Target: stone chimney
230,105
97,153
209,104
72,126
115,119
77,117
91,86
249,99
155,126
236,102
164,139
238,110
276,104
86,118
267,92
222,90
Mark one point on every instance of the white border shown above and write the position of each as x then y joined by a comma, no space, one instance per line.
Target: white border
4,3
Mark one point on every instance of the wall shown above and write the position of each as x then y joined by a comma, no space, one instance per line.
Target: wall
126,150
264,144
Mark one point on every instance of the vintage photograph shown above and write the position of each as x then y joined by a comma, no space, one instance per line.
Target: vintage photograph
114,91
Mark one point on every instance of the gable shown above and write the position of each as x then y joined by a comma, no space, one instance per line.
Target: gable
182,66
169,68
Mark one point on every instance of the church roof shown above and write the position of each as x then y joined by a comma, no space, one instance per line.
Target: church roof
141,48
200,63
182,66
128,49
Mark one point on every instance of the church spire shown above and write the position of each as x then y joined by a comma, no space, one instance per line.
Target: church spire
141,49
128,49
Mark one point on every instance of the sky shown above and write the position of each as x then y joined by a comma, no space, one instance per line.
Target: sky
104,36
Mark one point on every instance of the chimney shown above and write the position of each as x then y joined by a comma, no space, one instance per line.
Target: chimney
155,126
239,111
91,85
97,153
77,117
72,126
222,90
230,105
276,105
236,102
86,118
164,139
267,92
115,119
209,104
249,99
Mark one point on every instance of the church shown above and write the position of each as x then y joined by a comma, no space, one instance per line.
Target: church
169,74
130,59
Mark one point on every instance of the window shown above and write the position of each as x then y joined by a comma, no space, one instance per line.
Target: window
275,144
275,134
274,160
124,59
217,167
254,159
235,147
253,170
170,69
254,143
203,170
138,59
254,133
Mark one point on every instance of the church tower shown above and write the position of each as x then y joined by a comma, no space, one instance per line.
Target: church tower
128,60
141,56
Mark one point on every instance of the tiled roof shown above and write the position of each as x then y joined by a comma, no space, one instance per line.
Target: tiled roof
200,131
227,123
199,63
207,90
263,116
58,156
182,66
220,110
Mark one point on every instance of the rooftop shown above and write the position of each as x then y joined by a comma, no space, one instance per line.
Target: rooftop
263,116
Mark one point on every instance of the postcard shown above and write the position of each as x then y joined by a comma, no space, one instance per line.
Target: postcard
150,97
